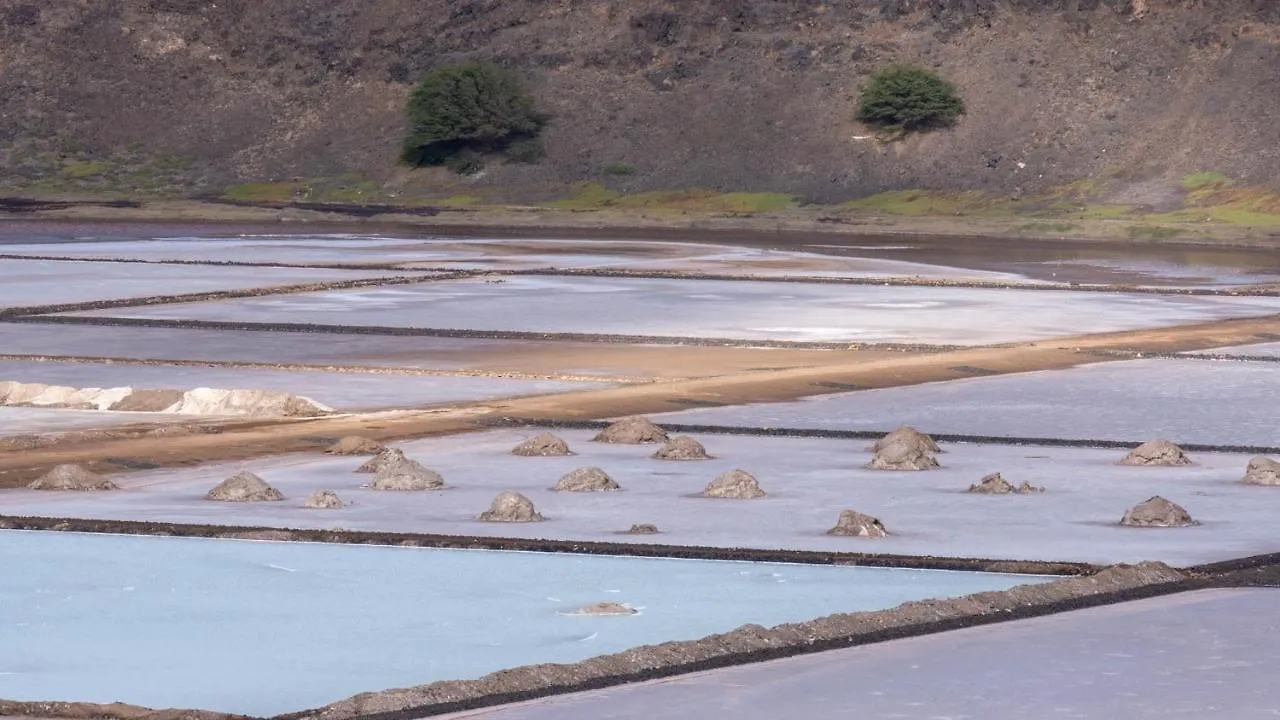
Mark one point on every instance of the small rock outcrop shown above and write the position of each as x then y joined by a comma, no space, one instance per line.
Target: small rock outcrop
681,447
544,445
856,524
1262,471
588,479
356,445
1156,452
1157,512
734,485
643,529
634,430
389,456
604,608
407,476
909,435
511,507
323,500
243,487
903,455
72,478
995,484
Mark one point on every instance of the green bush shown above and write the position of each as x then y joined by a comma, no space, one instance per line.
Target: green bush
470,108
620,169
907,98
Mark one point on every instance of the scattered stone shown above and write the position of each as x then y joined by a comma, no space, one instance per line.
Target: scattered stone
681,447
243,487
995,484
604,608
634,430
734,485
356,445
544,445
588,479
643,529
406,476
903,455
1262,471
855,524
390,456
1156,452
323,500
511,507
909,435
1157,512
72,478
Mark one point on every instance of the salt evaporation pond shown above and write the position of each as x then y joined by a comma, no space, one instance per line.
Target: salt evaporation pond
264,628
755,310
47,282
1186,401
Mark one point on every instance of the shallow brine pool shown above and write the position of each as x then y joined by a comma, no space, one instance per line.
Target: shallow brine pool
263,628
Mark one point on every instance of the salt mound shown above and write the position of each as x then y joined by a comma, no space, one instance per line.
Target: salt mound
544,445
995,484
511,507
855,524
248,403
243,487
734,485
1157,512
588,479
406,475
604,608
643,529
60,396
323,500
634,430
909,435
389,456
1156,452
903,455
356,445
71,477
681,447
1262,471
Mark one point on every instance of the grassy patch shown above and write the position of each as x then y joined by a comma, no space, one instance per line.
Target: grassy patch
594,196
620,169
1040,228
1153,232
86,169
262,192
919,203
1199,181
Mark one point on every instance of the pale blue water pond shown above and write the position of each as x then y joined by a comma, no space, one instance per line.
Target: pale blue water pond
263,628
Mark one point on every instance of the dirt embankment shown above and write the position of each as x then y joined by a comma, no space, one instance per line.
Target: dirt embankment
175,95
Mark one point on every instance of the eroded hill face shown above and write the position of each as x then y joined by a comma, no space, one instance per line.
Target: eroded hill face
755,95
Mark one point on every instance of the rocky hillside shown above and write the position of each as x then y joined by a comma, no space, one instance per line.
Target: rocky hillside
755,95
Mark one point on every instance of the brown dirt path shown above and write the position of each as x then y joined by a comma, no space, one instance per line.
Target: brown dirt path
840,373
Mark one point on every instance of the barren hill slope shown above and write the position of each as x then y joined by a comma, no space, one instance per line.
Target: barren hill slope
730,94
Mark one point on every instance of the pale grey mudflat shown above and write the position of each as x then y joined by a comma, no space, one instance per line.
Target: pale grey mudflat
339,390
495,254
265,628
25,283
757,310
1208,654
150,343
1186,401
808,481
1259,350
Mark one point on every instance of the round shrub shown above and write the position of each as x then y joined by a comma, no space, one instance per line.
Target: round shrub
907,98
